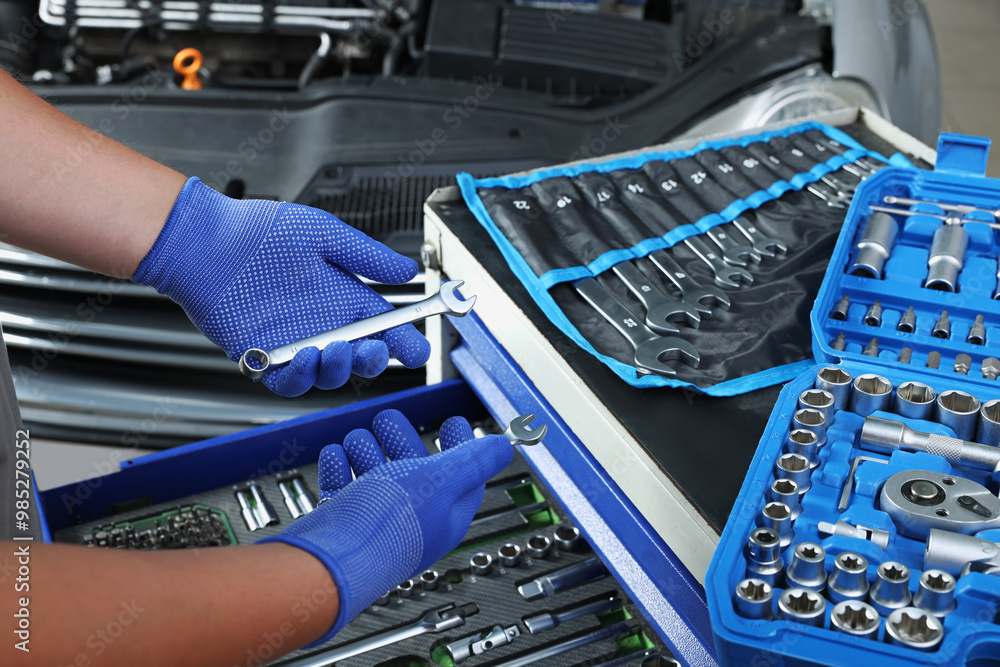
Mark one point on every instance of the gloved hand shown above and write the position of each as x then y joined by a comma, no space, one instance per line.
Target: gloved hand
261,274
398,517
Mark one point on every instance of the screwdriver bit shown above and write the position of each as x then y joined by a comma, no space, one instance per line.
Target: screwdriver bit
908,322
942,328
933,359
904,355
977,334
839,311
873,317
963,363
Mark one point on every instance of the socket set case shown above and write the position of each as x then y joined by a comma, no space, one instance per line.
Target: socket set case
866,530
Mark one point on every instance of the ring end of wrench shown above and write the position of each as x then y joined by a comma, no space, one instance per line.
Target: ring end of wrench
262,360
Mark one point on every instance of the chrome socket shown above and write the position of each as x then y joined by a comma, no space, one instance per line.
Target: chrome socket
871,393
871,349
914,400
873,316
786,491
875,246
837,381
777,517
753,599
907,322
802,606
763,555
807,569
481,564
810,420
794,467
914,628
806,443
959,411
839,311
839,343
977,332
946,258
942,328
567,538
818,399
892,588
430,580
905,355
936,593
538,547
383,600
509,555
405,589
848,581
855,618
988,430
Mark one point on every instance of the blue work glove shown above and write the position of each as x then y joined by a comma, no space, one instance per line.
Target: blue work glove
398,517
261,274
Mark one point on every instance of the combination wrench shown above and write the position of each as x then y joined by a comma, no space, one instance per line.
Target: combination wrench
519,434
692,292
660,308
435,620
651,349
256,362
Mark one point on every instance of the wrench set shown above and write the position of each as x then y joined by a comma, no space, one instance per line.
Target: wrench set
523,588
869,525
667,266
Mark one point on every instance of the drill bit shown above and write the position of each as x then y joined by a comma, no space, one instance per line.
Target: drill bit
933,359
942,328
873,317
839,311
871,350
963,363
977,333
904,355
908,322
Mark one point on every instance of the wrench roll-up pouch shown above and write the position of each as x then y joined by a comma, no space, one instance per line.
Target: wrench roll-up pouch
853,497
561,225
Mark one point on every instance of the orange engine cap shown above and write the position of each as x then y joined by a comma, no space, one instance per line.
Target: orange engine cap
188,63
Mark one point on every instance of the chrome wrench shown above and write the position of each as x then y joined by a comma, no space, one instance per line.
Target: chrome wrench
659,307
445,302
693,293
436,620
651,350
519,434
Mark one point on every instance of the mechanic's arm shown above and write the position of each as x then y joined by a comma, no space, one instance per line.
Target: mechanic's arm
71,193
223,606
249,273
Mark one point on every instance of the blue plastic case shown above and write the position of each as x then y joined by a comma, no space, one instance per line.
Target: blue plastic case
972,631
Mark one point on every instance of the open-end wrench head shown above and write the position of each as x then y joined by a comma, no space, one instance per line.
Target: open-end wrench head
659,317
703,299
519,434
651,356
740,255
453,300
731,276
764,244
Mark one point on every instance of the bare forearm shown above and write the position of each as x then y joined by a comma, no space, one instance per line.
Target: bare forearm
71,193
226,606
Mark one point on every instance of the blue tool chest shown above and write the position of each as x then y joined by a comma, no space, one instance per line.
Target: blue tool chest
865,530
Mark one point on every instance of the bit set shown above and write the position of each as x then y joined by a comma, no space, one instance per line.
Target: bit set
869,524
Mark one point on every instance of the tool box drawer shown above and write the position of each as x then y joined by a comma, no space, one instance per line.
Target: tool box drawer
552,512
865,530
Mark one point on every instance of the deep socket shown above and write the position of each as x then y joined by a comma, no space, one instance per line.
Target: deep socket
873,316
958,411
848,580
936,593
837,382
892,587
509,555
855,618
562,579
266,515
871,392
807,569
875,246
289,499
988,430
914,400
763,555
942,328
818,399
753,599
914,628
806,443
908,322
794,467
811,420
946,258
481,564
777,517
839,311
538,546
977,332
803,606
871,349
786,491
246,509
839,343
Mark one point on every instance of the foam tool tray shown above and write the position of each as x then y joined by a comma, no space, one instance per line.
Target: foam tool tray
594,621
866,531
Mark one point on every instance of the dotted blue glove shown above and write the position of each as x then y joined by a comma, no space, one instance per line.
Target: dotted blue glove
261,274
398,517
